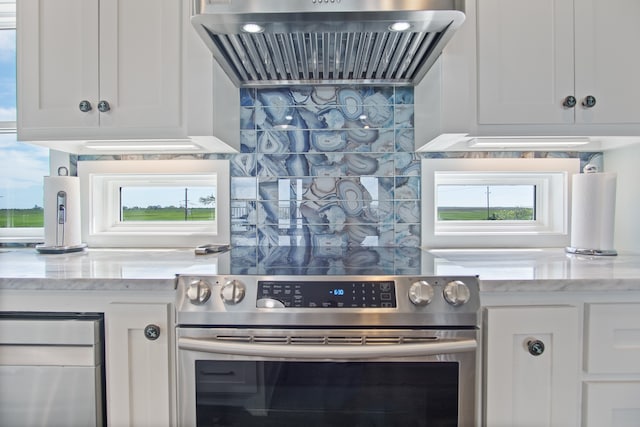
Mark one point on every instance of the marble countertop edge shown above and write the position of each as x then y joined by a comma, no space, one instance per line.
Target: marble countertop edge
87,284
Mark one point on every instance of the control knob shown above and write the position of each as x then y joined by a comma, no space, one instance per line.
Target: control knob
198,292
420,293
456,293
232,292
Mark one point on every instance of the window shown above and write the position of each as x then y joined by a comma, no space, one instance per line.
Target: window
486,202
151,203
496,202
22,166
168,203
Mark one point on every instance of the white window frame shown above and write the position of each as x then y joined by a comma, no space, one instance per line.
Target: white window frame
552,178
100,183
15,234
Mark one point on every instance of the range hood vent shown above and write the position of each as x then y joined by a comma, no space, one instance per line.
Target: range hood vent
326,41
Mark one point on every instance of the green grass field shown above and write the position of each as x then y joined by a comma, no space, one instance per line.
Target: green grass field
14,218
481,214
168,214
10,218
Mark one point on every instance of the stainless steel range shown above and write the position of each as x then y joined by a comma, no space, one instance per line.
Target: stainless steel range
317,350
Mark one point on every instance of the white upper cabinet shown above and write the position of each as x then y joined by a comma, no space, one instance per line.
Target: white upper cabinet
132,74
525,61
607,64
559,62
99,69
531,70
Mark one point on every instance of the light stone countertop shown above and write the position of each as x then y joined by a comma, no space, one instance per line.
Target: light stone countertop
102,269
507,270
531,270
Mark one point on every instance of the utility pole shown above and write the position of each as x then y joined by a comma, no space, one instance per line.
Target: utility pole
488,210
185,203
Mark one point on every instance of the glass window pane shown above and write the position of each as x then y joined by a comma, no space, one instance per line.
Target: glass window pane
476,202
170,203
7,76
22,168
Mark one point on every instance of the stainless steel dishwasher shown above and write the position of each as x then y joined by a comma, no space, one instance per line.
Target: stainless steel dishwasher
51,369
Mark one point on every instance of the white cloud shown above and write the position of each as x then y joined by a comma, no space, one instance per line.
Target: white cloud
23,169
7,114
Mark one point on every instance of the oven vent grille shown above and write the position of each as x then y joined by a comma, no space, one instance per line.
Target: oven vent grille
326,339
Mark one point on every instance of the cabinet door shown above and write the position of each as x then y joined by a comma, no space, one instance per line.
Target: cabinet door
525,61
522,389
57,64
127,53
138,369
612,338
614,404
140,63
607,64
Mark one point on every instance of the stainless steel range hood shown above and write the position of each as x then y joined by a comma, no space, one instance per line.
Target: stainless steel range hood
326,41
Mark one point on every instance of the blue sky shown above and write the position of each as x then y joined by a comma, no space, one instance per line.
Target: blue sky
22,166
7,75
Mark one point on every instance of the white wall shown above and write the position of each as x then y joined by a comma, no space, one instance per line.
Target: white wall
626,162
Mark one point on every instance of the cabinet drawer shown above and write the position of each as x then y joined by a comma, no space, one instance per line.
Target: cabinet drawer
611,404
612,338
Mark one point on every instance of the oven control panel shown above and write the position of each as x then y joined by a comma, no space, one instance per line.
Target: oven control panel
350,300
327,294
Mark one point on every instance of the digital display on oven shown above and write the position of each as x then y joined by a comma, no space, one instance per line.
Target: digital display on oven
332,294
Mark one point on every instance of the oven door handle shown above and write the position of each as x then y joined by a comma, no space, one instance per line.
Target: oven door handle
372,351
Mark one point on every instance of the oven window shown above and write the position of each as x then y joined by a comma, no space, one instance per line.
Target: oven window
309,394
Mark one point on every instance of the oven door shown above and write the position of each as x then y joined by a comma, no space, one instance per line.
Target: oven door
286,378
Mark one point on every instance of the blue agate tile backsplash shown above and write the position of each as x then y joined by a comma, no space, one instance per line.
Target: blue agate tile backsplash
326,166
329,167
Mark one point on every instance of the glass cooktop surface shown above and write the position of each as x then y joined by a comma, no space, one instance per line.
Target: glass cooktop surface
298,260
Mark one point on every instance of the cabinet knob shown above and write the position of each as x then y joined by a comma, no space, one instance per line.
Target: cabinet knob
535,347
569,101
103,106
85,106
152,332
589,101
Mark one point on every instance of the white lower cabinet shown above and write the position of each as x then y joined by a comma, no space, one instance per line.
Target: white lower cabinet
531,366
611,390
611,404
139,365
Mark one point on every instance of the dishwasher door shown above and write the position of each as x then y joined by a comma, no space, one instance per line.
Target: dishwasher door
51,370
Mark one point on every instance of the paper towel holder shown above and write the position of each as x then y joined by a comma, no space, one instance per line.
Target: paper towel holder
588,169
61,219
